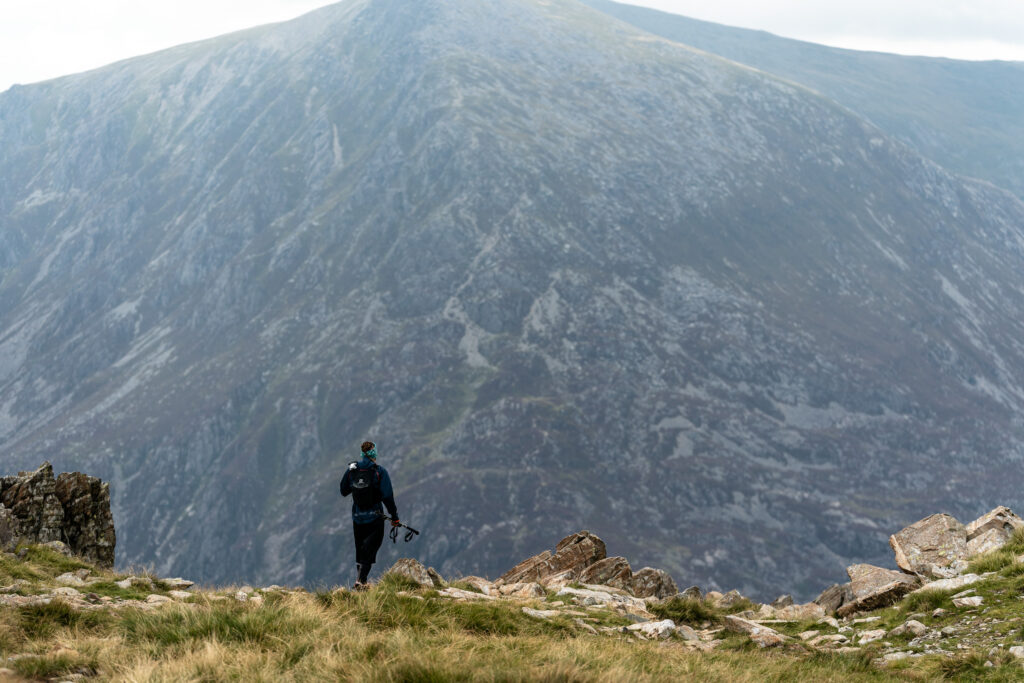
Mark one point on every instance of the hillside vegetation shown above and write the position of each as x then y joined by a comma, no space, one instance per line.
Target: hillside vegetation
400,631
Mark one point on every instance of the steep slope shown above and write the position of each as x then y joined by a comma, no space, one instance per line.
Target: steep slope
564,273
968,116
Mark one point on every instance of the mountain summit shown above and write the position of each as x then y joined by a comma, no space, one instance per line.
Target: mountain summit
565,273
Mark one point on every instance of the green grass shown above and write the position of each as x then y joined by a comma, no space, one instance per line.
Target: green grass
683,611
52,562
52,667
928,601
111,589
42,621
225,622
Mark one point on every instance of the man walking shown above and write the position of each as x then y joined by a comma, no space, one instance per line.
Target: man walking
370,486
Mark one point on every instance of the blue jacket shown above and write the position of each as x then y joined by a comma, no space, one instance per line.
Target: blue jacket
387,494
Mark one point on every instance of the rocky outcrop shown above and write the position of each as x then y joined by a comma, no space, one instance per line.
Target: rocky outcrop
931,546
761,635
572,556
415,571
992,530
74,509
582,557
873,587
611,571
653,583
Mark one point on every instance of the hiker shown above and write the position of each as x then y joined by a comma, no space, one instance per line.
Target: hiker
370,486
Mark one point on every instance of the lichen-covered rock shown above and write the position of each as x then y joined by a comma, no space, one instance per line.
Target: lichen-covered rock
88,525
653,583
930,545
611,571
31,498
866,579
760,635
72,510
991,531
8,529
874,587
412,569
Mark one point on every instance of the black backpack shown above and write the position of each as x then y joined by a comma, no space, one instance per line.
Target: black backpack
365,485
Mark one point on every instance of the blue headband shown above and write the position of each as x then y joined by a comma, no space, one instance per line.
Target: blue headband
371,454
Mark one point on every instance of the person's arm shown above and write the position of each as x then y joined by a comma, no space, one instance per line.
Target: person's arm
388,495
346,485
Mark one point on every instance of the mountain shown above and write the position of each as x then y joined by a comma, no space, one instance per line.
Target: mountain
566,274
968,116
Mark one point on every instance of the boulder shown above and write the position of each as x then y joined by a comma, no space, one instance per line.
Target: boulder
481,584
950,584
611,571
762,636
930,545
412,569
834,597
782,601
726,601
522,590
691,593
653,583
991,531
559,580
875,587
866,579
871,636
436,578
800,612
659,630
911,627
572,556
972,601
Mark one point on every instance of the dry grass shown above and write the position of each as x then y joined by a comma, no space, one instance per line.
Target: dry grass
373,636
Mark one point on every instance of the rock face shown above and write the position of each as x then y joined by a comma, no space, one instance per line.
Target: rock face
930,545
582,557
833,597
413,569
992,530
611,571
873,587
572,556
653,583
73,509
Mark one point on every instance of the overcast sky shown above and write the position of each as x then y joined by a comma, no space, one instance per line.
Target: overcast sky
42,39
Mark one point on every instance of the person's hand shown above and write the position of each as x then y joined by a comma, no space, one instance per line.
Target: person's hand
396,522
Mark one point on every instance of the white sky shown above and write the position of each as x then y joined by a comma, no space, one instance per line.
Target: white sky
41,39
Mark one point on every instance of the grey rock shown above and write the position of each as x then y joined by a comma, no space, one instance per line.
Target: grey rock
782,601
692,593
937,541
610,571
412,569
992,530
833,597
653,583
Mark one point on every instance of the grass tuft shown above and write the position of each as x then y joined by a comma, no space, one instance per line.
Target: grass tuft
927,601
43,621
685,611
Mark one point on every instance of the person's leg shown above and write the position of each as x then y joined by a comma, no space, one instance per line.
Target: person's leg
367,555
360,533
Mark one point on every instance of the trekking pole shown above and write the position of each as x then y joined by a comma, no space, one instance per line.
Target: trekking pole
409,535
